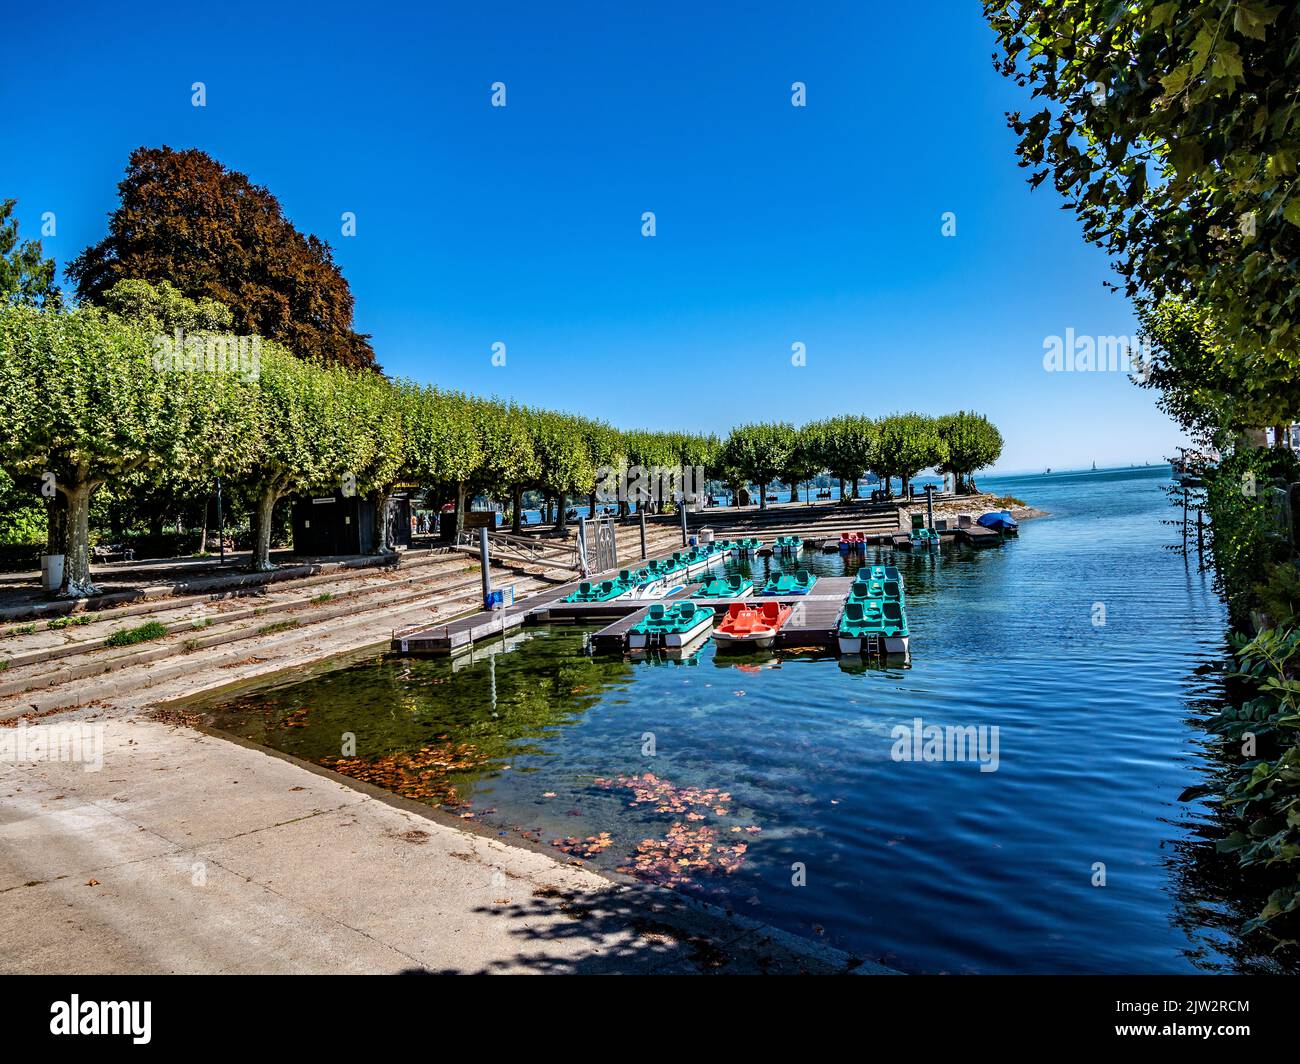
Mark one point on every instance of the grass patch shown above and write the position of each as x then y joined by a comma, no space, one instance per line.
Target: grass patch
4,664
128,637
325,596
279,626
21,629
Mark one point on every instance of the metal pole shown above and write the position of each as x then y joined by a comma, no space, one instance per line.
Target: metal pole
641,514
929,506
483,565
682,507
221,523
583,567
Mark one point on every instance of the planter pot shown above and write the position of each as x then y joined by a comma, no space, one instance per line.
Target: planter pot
52,571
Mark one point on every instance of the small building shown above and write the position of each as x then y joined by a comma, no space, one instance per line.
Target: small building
325,525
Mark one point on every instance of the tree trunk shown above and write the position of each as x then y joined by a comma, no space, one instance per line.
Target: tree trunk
841,489
203,527
762,495
56,524
794,491
460,511
561,513
263,517
517,516
591,505
855,488
1279,435
379,497
77,581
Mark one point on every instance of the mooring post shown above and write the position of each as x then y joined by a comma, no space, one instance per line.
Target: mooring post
483,565
641,514
583,568
682,506
929,506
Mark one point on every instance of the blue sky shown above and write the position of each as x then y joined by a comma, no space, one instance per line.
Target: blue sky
775,224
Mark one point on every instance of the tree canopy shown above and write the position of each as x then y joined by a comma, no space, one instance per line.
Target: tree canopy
186,219
26,275
1171,129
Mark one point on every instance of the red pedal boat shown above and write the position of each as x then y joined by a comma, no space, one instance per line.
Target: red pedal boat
751,626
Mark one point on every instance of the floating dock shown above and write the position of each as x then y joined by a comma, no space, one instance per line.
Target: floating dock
812,625
547,607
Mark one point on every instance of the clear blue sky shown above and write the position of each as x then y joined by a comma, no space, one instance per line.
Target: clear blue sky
522,224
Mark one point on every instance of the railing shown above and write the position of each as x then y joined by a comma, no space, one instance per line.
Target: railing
522,550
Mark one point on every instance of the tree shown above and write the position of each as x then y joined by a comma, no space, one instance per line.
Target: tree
566,465
845,446
310,432
446,445
509,463
1206,383
84,401
971,442
905,445
26,275
1169,129
760,452
165,307
186,219
383,419
804,461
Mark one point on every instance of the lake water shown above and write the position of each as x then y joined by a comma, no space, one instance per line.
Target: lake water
772,784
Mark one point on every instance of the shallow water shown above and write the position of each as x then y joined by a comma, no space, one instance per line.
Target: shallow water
770,772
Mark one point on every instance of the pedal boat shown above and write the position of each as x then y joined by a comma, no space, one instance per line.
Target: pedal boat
799,583
672,626
751,626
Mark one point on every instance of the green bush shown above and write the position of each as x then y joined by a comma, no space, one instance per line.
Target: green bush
126,637
1263,790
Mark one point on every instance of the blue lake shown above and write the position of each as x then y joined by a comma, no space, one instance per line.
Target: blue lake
772,783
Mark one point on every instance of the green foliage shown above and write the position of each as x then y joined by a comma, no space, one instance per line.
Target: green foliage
844,445
1278,594
126,637
82,397
760,452
1169,128
906,444
1245,536
1206,383
1263,790
22,513
971,441
26,275
163,307
279,626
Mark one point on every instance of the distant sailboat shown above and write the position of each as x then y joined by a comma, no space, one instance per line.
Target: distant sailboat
1094,467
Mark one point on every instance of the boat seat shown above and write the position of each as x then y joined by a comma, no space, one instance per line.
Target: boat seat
657,610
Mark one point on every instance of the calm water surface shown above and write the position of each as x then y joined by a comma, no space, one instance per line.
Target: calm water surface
766,770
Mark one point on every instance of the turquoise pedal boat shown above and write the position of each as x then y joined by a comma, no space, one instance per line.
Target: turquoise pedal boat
672,626
799,583
730,587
